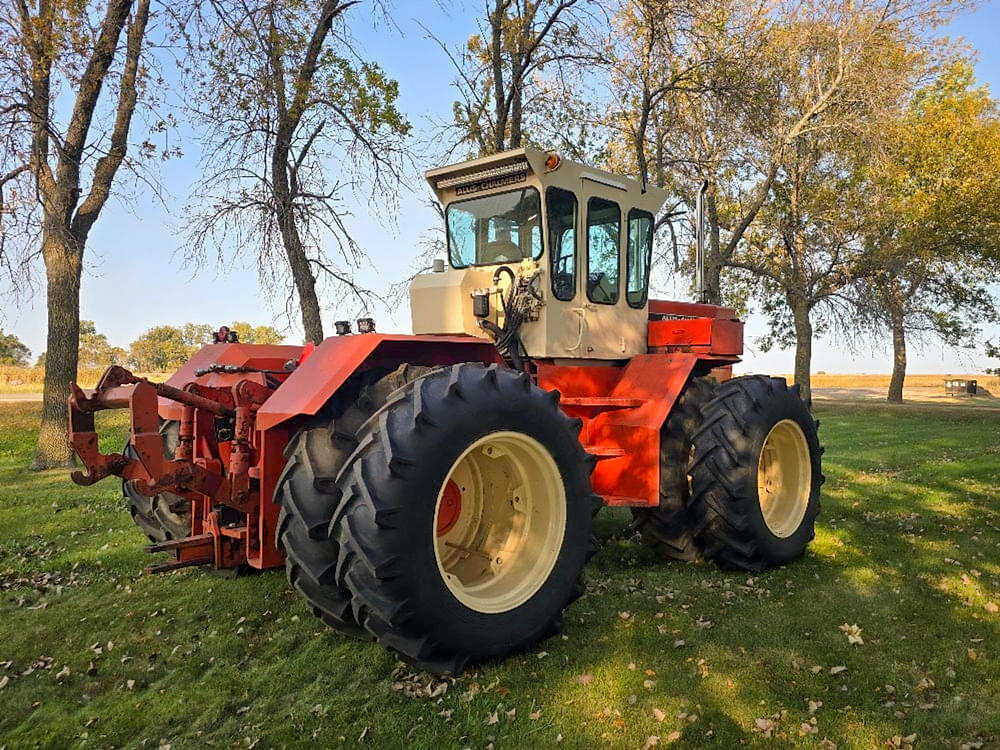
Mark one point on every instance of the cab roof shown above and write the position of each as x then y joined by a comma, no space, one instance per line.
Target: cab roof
510,167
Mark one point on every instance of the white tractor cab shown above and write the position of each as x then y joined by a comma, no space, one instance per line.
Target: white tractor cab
548,257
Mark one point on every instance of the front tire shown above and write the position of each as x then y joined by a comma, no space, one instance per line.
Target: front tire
308,495
756,474
466,519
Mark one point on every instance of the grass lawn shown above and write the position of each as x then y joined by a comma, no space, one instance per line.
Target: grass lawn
94,654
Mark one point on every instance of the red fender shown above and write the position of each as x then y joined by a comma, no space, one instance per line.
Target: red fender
320,375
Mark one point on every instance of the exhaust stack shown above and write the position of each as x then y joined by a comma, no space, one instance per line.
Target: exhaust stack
699,273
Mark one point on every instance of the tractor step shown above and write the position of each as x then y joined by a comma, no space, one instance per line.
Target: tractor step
620,501
601,402
601,452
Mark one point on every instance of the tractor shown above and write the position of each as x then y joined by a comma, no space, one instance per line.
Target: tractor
436,491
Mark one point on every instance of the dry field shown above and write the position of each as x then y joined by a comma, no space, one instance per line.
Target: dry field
822,380
29,379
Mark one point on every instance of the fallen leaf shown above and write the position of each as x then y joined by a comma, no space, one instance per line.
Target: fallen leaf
130,684
853,633
673,736
649,684
64,672
991,607
585,679
827,745
658,714
534,715
837,670
678,643
816,669
512,714
765,725
3,681
807,728
815,706
651,741
633,699
492,718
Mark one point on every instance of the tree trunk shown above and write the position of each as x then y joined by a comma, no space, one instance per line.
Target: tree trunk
803,349
713,281
898,361
298,261
497,23
515,116
302,276
63,264
713,256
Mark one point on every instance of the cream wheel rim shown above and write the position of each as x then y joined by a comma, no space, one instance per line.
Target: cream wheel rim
497,549
784,478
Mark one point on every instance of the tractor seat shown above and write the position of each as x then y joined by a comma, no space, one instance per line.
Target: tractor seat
499,251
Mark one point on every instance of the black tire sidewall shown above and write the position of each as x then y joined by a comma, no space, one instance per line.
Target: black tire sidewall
433,606
773,410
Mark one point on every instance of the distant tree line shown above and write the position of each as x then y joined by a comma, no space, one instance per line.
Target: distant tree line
160,349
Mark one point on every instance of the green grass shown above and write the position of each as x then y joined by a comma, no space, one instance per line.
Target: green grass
907,548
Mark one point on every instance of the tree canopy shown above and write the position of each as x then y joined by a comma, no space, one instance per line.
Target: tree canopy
12,351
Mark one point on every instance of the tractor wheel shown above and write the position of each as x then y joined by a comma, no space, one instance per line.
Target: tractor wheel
466,519
756,473
307,493
670,526
164,516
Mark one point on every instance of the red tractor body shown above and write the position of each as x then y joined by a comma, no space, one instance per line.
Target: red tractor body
238,416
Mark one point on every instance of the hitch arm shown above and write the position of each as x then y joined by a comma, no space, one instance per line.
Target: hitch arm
117,389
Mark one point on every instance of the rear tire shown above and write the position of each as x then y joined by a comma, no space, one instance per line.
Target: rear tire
308,495
670,525
525,504
164,516
756,474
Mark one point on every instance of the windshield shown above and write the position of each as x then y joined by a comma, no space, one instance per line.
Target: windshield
500,228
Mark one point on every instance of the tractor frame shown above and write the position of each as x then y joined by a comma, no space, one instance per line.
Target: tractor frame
238,406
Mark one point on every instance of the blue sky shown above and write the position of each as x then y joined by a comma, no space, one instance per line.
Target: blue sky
135,279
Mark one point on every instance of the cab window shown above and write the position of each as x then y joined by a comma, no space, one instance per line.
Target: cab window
561,208
498,228
603,231
638,255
